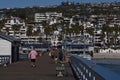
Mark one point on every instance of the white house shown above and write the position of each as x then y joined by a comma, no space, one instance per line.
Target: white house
109,50
14,21
39,17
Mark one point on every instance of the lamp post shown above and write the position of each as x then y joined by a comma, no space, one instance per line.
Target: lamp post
65,41
84,39
59,30
67,58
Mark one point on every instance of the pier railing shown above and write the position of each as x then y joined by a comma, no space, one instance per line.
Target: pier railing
87,70
4,59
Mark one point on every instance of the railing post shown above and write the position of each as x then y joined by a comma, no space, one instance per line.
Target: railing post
87,70
82,71
4,60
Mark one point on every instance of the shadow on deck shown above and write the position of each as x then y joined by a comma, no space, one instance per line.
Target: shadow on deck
45,70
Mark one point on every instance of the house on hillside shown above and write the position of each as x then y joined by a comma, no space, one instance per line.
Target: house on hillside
14,21
9,49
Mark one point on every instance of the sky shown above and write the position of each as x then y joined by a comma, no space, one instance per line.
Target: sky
26,3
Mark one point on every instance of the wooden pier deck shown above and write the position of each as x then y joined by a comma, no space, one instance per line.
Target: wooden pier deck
44,70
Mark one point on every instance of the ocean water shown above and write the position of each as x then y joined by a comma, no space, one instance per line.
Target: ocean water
113,65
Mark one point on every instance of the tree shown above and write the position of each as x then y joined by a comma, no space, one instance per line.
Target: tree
90,31
29,31
0,25
48,30
2,22
16,27
7,30
37,32
40,40
111,33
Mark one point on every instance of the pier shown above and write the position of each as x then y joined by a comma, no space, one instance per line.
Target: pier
77,68
44,70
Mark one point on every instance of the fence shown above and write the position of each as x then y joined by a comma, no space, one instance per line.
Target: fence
87,70
5,59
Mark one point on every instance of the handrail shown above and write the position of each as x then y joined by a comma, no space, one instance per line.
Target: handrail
87,70
4,59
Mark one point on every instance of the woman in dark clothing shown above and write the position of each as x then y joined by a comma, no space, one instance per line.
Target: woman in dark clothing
53,55
60,55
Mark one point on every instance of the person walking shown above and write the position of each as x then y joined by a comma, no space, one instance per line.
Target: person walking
60,55
33,56
53,55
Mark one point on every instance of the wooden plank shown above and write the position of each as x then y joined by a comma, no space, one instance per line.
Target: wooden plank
44,70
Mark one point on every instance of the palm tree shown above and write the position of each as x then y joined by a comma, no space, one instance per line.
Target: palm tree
1,25
81,28
7,30
2,22
44,23
16,27
90,31
29,31
40,41
37,32
47,31
116,30
111,33
107,29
